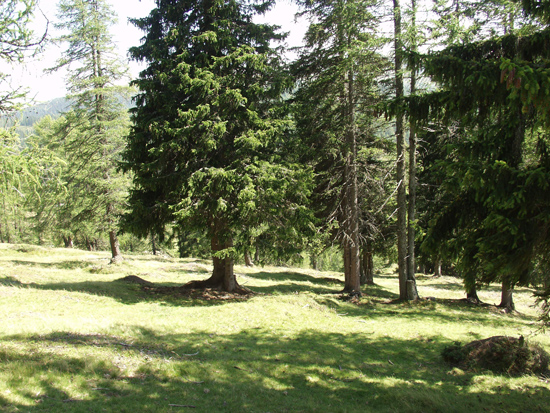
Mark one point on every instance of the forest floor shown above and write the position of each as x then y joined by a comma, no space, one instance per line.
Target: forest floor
75,338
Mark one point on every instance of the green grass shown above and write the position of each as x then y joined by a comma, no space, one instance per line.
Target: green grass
73,338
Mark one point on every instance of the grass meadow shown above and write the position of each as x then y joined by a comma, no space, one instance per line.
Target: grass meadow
74,338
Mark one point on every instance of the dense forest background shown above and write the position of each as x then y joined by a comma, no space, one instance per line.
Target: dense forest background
415,132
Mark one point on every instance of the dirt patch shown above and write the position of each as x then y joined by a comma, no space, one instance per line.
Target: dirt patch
500,354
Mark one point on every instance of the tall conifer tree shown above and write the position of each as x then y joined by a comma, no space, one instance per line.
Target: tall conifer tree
208,142
337,70
93,132
495,95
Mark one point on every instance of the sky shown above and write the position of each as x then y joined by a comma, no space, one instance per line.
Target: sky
43,87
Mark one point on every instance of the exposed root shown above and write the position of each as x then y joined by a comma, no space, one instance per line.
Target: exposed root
351,296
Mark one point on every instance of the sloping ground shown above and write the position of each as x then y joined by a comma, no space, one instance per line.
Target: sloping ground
74,338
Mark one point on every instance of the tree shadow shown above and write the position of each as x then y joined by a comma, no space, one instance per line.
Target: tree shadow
61,265
292,276
130,293
11,282
252,370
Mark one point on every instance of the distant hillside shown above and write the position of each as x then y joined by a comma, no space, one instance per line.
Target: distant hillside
27,117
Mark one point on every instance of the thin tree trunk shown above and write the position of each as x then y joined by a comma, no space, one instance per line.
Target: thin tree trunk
437,268
412,293
400,142
68,241
248,259
314,262
352,282
367,267
471,295
154,244
116,255
507,297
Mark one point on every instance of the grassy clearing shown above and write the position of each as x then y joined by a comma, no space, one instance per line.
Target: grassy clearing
75,339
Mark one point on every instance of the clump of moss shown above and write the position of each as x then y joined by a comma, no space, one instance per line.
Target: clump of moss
500,354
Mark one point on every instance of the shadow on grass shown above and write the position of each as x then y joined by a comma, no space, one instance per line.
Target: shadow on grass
11,282
288,282
61,265
328,294
252,370
128,293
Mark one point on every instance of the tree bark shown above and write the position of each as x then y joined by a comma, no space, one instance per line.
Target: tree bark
248,259
154,244
68,241
223,276
437,268
367,267
471,295
116,255
507,298
412,291
400,142
352,281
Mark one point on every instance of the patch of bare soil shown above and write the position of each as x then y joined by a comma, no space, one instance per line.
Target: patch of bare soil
500,354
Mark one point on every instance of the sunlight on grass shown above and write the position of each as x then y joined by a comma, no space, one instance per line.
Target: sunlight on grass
74,338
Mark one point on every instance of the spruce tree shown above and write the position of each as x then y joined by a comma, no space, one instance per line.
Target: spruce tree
208,146
494,95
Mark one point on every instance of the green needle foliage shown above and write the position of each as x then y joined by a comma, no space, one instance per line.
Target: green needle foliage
19,184
494,220
208,147
337,70
17,40
91,135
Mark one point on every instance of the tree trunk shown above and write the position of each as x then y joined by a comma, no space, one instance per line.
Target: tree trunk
352,281
223,276
412,291
400,141
367,267
437,268
154,244
248,259
507,299
422,268
116,255
68,241
314,262
471,295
